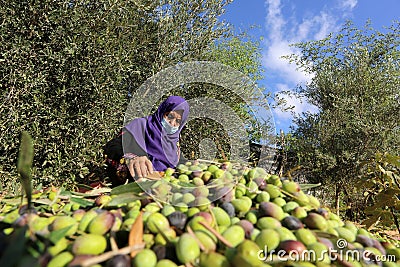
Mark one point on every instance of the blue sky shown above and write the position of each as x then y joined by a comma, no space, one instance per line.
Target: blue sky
282,22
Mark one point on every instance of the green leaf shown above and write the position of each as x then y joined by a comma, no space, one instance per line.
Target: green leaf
12,201
93,192
127,188
24,165
15,248
44,201
393,160
35,253
82,202
57,235
309,186
372,220
64,192
125,198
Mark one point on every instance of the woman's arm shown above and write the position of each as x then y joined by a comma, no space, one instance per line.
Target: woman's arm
137,161
130,146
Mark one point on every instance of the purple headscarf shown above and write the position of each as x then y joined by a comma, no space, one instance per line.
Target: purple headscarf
151,136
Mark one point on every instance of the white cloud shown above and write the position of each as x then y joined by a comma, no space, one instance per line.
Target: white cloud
273,58
304,29
275,19
348,4
326,24
283,32
285,27
298,105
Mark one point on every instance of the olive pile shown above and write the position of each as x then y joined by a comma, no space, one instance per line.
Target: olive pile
206,215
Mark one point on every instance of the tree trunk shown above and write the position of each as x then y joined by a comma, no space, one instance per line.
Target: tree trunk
337,197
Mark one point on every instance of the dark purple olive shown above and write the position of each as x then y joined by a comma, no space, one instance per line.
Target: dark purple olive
177,219
119,261
229,208
165,252
292,223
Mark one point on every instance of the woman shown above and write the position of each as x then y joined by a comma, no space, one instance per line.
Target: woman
148,144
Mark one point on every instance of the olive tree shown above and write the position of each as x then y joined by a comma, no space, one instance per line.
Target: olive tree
65,64
67,67
356,88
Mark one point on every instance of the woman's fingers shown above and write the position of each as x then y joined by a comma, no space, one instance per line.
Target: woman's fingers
149,166
140,166
131,168
143,168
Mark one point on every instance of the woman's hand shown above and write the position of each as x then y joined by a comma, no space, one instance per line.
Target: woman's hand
140,167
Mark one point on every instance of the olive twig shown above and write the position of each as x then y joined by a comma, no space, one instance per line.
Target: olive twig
218,235
110,254
213,218
113,243
190,231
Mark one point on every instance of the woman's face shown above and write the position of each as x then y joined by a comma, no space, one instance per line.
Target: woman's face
174,117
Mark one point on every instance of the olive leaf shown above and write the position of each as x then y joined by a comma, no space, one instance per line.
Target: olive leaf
24,165
126,188
136,234
304,187
16,247
124,199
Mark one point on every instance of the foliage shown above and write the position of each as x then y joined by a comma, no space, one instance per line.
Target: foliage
355,86
383,190
65,66
243,53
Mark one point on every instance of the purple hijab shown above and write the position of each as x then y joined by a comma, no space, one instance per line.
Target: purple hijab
151,136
